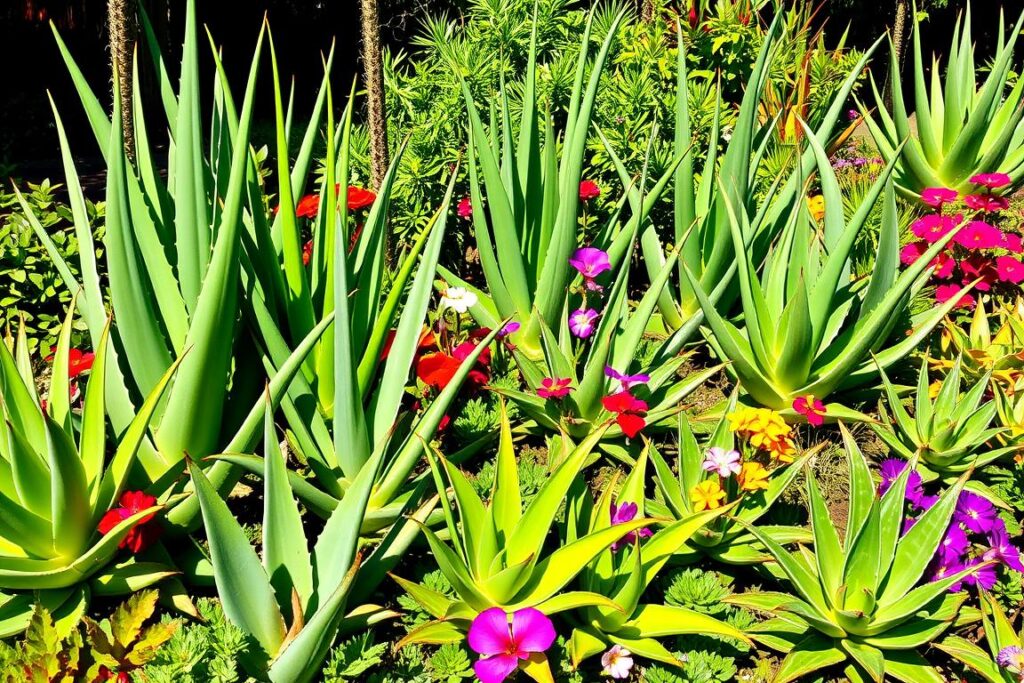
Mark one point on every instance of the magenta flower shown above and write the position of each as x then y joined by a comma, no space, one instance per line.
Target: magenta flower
509,328
502,645
1010,269
890,470
979,235
554,387
944,293
722,462
983,576
589,190
626,382
937,196
976,513
991,180
955,543
582,322
465,209
590,262
934,227
986,202
622,514
945,568
1003,550
1012,242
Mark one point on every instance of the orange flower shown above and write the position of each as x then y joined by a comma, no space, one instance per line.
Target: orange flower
753,476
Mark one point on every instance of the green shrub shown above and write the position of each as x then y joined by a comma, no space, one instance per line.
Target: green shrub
30,286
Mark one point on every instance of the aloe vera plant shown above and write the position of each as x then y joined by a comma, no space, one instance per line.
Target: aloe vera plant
809,330
293,601
60,477
860,601
1000,354
961,129
948,434
173,250
626,570
708,202
724,538
529,229
1003,659
496,556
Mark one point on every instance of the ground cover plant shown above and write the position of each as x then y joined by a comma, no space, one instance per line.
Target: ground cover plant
723,393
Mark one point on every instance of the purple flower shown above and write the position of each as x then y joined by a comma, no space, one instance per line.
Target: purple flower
591,262
622,514
1002,549
581,322
890,470
908,524
983,576
502,645
853,114
626,382
860,161
724,463
1011,658
945,568
975,513
926,503
954,544
509,328
840,164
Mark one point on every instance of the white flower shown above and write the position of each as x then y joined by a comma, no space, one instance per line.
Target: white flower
458,299
617,662
725,463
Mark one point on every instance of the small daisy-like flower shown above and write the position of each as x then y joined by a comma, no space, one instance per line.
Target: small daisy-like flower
458,299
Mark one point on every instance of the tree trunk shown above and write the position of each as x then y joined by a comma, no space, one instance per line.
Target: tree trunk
899,40
121,27
373,67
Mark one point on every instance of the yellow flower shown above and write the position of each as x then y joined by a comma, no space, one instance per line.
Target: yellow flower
753,476
933,389
707,495
816,205
783,450
765,430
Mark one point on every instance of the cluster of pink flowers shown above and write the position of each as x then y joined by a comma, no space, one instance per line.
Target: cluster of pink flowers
980,251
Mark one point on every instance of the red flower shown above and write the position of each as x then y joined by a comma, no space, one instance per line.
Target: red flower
426,341
589,190
465,209
479,375
986,202
359,198
691,16
1010,269
437,369
991,180
308,206
144,532
811,408
307,253
554,387
978,266
78,362
629,412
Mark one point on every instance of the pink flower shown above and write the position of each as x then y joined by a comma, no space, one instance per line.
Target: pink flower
913,251
1010,269
1012,242
502,645
979,235
986,202
589,190
991,180
582,322
590,262
554,387
979,266
465,209
943,265
811,408
625,513
944,293
724,463
937,196
934,227
626,382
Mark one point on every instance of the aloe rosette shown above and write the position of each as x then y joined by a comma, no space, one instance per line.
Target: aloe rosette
1002,660
60,477
290,600
861,601
496,556
961,129
724,538
808,328
626,570
999,353
949,434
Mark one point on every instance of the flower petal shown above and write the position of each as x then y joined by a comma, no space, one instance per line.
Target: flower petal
489,633
532,630
495,669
